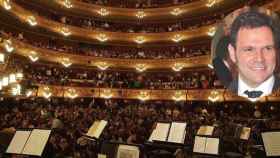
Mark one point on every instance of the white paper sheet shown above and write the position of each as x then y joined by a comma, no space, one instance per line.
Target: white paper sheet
177,132
128,151
199,144
36,143
18,142
271,141
245,133
212,146
97,128
205,130
160,133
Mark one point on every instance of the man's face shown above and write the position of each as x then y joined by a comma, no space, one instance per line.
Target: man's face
254,55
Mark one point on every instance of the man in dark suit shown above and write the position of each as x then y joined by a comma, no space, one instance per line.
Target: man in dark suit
253,47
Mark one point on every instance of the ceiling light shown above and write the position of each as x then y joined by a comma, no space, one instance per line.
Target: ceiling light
140,39
103,12
16,89
12,78
143,95
140,14
102,65
8,45
177,38
7,4
32,20
2,58
107,94
210,3
5,81
141,67
176,11
33,56
102,37
178,96
66,62
68,4
65,31
211,31
178,66
47,92
214,96
29,93
72,93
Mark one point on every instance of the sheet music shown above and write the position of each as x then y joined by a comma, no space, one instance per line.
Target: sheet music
18,142
271,143
97,128
205,130
160,133
245,133
36,142
128,151
177,132
212,146
101,156
199,144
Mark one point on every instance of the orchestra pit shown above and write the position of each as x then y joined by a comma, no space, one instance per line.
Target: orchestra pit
128,79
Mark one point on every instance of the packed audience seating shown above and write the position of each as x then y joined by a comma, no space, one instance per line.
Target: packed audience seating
132,27
76,47
59,75
131,121
138,3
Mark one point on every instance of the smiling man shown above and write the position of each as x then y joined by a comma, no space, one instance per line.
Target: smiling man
254,43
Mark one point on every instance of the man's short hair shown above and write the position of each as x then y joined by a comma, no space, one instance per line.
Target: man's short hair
254,18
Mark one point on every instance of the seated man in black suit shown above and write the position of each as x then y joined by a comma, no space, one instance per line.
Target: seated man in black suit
253,47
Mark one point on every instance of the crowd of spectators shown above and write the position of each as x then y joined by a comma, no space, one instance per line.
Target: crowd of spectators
130,27
107,51
59,75
138,3
132,122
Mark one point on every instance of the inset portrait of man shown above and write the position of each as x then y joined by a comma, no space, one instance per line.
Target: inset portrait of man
253,48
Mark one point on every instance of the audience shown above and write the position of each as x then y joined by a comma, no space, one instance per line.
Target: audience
131,121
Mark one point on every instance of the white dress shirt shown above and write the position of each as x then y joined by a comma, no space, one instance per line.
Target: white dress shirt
266,87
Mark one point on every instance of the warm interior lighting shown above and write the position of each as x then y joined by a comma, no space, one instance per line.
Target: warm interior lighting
143,95
176,11
102,65
16,89
141,67
12,78
33,56
32,20
5,81
8,45
107,94
66,62
178,67
140,39
19,76
7,4
2,58
102,37
47,92
65,31
210,66
214,96
103,12
211,31
210,3
178,96
68,4
177,38
72,93
140,14
1,85
28,93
